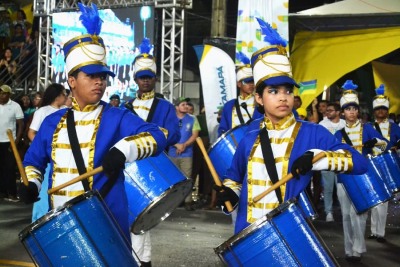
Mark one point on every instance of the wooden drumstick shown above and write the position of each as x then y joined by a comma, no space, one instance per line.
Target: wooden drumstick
17,158
212,170
283,180
75,180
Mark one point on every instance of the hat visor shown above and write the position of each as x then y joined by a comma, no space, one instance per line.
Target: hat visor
350,104
143,73
93,69
248,80
381,107
278,80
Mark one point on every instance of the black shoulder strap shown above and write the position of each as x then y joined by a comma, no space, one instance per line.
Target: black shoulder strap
76,150
238,111
152,109
378,128
346,137
269,160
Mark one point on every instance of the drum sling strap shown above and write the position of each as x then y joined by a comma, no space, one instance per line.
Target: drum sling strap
346,137
239,112
152,109
378,128
76,151
269,160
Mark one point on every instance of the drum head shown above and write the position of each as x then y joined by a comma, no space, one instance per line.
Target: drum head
161,207
242,127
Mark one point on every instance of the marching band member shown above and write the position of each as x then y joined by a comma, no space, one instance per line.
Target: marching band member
105,136
240,110
390,131
278,143
363,137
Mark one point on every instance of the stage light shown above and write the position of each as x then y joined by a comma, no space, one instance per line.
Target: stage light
145,14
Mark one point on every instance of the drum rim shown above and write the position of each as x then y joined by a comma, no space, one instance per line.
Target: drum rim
224,135
55,212
255,226
155,201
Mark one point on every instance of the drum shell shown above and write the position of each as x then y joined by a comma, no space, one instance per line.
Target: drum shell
281,238
154,187
388,166
80,233
366,190
222,151
306,206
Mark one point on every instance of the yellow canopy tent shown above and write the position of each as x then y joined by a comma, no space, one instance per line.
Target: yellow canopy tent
332,40
321,58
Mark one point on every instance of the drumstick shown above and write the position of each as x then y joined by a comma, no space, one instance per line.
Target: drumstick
212,169
17,158
75,180
377,144
284,180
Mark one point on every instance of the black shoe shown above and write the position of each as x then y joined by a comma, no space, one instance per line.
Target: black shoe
380,239
145,264
371,236
189,207
348,258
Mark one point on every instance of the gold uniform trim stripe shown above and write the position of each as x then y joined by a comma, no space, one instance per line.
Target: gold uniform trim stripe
68,146
141,107
66,193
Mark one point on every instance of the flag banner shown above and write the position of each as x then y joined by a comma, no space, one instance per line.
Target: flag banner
248,33
218,80
308,87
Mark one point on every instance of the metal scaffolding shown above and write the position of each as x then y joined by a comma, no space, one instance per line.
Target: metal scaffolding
172,39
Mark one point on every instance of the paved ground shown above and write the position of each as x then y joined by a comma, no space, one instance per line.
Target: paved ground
188,238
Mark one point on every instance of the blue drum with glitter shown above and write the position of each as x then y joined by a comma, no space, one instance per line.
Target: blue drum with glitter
366,190
222,151
281,238
154,187
82,232
388,166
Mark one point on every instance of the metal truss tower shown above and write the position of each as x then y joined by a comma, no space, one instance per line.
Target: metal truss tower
172,36
173,25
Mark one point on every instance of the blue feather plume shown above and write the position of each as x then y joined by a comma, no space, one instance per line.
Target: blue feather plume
145,46
271,35
90,19
241,57
380,90
349,85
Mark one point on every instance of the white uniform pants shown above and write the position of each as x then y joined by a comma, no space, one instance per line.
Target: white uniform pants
378,219
353,224
141,244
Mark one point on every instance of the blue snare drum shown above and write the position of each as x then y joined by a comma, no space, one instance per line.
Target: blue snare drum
306,206
154,187
387,164
222,151
82,232
281,238
365,190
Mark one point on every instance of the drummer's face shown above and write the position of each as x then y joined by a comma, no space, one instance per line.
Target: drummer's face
277,101
88,89
351,114
381,113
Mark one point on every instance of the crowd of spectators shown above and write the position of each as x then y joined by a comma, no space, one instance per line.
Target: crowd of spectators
18,48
